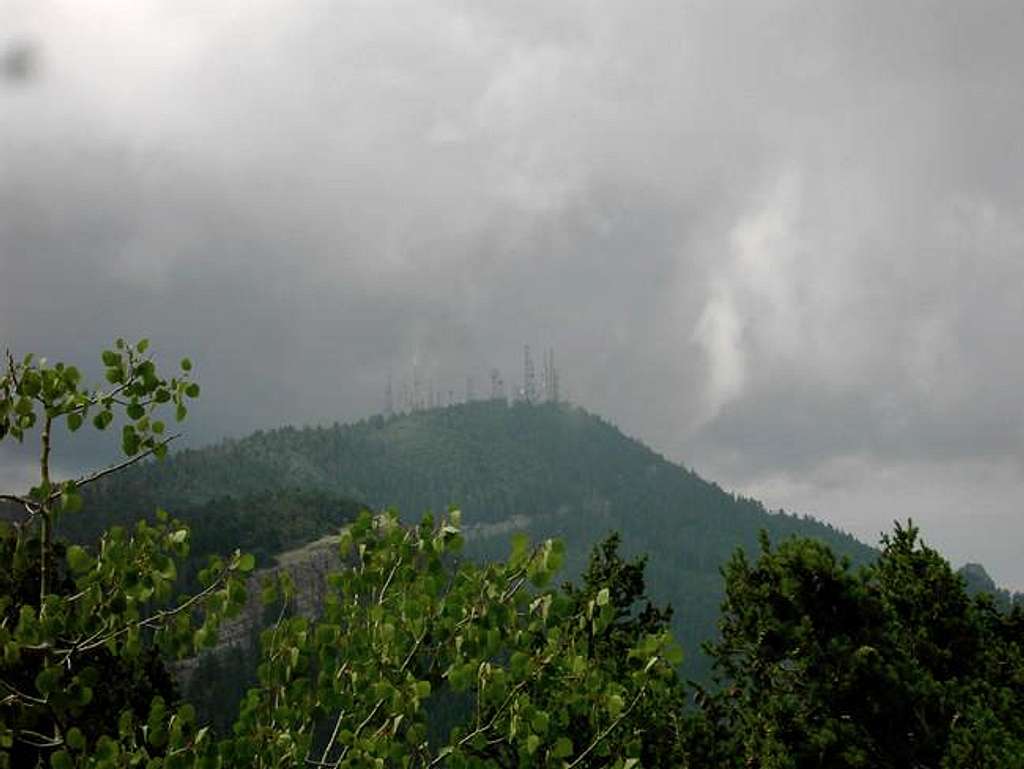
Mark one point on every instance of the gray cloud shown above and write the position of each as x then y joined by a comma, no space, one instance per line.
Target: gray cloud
782,244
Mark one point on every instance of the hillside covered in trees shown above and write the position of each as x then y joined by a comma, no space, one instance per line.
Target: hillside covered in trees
551,470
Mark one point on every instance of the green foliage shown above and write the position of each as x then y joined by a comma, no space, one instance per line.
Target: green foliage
616,588
80,626
892,665
403,623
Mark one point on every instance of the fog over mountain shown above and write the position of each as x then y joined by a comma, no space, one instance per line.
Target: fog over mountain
781,243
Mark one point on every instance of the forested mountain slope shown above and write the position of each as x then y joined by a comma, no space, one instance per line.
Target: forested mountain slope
552,470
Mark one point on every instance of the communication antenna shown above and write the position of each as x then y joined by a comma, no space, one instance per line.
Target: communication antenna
529,378
389,399
406,397
497,385
552,377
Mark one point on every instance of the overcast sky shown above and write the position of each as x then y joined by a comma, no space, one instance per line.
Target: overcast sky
782,243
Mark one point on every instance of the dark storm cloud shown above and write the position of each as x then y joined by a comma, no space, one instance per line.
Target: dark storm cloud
781,243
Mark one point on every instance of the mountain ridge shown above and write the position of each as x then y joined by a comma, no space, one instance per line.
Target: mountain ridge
548,469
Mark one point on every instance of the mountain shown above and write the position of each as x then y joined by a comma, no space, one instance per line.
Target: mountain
548,469
977,581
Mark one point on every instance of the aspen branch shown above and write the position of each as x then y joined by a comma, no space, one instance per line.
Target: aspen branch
153,619
608,729
92,477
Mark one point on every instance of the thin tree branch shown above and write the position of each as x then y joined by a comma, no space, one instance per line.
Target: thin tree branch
38,740
330,742
46,519
608,729
86,479
355,735
481,729
154,619
21,695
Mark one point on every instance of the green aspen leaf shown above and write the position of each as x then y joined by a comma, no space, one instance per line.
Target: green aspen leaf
562,748
532,743
192,391
269,595
129,440
179,536
74,420
12,653
31,384
186,364
78,559
246,562
603,596
48,680
165,568
201,637
110,358
142,346
520,545
61,760
615,705
75,739
158,427
180,412
84,696
70,502
345,542
106,749
539,722
125,723
135,411
674,654
460,677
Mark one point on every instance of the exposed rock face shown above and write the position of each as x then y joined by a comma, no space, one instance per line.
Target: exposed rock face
308,567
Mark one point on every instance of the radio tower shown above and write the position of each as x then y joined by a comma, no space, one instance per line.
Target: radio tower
550,377
497,386
389,399
529,378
